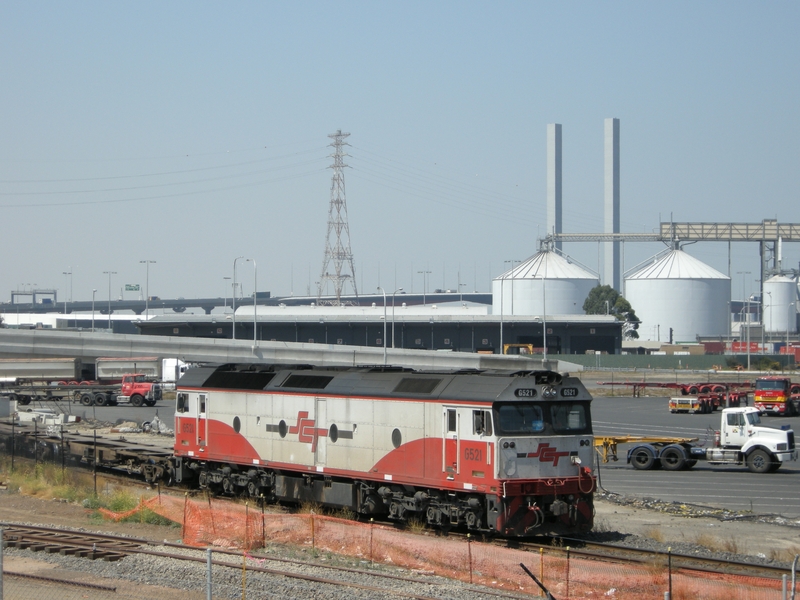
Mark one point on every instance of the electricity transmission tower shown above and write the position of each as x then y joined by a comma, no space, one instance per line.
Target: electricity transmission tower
337,242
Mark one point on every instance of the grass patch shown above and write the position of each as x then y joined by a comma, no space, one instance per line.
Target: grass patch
49,482
784,555
654,533
708,541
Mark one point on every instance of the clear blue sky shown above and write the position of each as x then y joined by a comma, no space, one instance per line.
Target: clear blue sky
190,133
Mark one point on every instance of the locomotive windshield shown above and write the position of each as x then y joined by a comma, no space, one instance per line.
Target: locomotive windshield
527,418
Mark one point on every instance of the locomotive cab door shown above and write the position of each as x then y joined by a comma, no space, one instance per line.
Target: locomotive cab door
450,442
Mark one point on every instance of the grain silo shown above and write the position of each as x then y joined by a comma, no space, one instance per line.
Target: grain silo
780,304
521,291
677,292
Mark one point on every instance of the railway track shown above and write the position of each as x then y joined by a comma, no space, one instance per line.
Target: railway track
93,546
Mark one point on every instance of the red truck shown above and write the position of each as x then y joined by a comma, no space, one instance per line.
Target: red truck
777,396
135,389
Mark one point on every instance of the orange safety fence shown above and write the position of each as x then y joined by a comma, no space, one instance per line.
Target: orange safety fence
221,523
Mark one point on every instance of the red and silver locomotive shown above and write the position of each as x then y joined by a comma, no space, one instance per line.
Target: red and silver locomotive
505,452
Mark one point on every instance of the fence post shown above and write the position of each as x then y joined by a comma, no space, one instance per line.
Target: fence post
313,540
541,564
183,525
784,589
666,596
244,575
1,564
371,560
263,525
669,569
208,573
247,525
469,552
567,596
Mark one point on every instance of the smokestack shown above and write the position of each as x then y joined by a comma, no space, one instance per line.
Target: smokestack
611,258
554,180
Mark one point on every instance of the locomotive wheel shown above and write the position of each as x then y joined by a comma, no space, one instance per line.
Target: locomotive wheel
227,485
252,489
673,458
473,521
137,399
87,400
759,462
100,399
643,458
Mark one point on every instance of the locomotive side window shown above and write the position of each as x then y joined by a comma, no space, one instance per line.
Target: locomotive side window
183,402
202,404
451,420
481,422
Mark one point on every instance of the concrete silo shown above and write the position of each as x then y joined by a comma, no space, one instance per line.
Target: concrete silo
676,291
780,304
520,290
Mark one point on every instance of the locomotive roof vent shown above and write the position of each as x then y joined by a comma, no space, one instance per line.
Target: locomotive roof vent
417,385
308,382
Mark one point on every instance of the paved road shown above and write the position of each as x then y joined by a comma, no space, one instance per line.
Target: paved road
719,486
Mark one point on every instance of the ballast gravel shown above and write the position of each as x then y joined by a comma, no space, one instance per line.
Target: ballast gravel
229,581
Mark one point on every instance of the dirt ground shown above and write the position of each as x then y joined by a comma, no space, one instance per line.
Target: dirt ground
740,536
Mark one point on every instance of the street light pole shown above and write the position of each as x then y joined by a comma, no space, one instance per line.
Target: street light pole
393,293
424,284
233,297
255,296
788,326
512,261
225,297
384,323
147,287
109,273
93,293
65,288
544,320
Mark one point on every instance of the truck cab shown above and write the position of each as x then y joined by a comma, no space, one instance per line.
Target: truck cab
742,439
774,395
137,389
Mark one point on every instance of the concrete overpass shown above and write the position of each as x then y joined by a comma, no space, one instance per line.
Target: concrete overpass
53,343
179,305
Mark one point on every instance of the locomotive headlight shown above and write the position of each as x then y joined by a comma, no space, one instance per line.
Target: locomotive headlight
549,391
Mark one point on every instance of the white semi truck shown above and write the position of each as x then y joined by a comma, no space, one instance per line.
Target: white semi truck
741,440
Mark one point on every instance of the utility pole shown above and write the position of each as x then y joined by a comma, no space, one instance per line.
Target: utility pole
337,240
424,284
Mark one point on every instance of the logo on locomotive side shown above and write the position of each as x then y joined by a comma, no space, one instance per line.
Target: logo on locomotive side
545,453
306,430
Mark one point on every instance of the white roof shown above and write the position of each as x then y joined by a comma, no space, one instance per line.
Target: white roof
676,264
548,265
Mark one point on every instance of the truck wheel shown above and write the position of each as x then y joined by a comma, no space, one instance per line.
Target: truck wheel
690,463
137,399
150,402
673,458
100,399
693,389
705,389
775,466
643,458
759,461
87,400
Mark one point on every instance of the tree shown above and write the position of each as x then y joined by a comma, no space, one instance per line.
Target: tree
604,299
